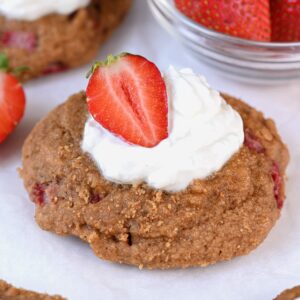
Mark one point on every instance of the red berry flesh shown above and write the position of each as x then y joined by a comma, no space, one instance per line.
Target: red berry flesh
12,104
127,96
38,194
19,39
277,184
252,143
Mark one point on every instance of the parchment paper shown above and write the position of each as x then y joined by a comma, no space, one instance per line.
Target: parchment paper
42,261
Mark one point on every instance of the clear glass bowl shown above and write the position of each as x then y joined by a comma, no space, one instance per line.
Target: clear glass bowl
241,59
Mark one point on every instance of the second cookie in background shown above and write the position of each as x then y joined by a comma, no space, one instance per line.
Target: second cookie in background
50,37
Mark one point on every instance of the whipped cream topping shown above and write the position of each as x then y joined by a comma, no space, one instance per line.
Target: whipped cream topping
30,10
204,133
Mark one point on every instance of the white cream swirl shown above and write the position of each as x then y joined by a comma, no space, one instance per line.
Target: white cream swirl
30,10
204,133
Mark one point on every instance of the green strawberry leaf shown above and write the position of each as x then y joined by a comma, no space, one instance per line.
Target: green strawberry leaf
4,63
110,59
20,70
4,66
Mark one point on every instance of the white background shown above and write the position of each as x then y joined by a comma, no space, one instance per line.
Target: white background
38,260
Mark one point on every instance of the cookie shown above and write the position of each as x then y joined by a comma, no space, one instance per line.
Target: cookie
57,42
290,294
8,292
224,216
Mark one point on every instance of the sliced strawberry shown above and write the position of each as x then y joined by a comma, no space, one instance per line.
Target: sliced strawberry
12,101
248,19
19,39
285,16
12,104
127,95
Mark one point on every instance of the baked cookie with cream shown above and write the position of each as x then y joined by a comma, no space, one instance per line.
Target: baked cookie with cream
156,171
53,36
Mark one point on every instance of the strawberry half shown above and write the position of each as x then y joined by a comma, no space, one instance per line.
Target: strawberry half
248,19
285,16
12,100
127,95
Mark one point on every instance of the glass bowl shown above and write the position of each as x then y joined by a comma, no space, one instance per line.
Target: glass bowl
251,61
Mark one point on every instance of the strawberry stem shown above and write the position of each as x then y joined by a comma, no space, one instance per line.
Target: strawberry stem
110,59
19,70
4,66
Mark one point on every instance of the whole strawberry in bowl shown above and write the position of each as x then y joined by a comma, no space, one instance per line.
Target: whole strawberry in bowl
12,99
247,19
285,18
248,40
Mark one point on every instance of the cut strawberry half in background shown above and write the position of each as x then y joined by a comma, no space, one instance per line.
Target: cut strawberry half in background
12,100
127,95
248,19
285,16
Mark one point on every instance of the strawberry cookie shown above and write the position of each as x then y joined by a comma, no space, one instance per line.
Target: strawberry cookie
52,36
8,292
289,294
156,171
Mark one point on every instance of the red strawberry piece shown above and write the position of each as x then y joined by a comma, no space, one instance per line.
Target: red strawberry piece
127,95
38,194
285,17
19,39
253,143
55,67
12,102
277,184
248,19
95,198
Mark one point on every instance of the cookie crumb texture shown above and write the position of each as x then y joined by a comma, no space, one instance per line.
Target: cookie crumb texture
226,215
55,43
8,292
290,294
